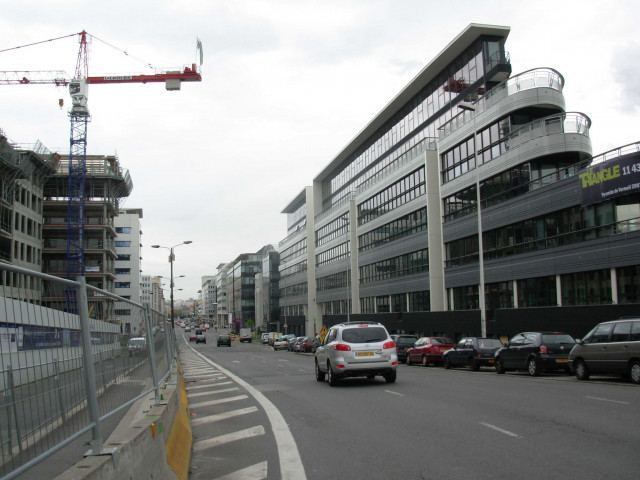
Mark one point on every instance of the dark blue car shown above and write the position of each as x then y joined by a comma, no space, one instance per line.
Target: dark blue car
472,352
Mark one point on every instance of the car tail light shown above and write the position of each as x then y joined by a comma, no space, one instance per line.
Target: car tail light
388,345
340,366
543,349
394,363
341,347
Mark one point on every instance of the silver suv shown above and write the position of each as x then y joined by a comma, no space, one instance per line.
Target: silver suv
356,349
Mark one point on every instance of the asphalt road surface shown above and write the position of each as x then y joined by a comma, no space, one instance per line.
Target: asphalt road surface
431,424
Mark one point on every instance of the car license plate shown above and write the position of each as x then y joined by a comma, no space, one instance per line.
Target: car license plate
364,354
562,360
490,362
406,349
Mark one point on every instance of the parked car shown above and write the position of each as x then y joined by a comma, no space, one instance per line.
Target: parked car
472,352
610,348
356,349
297,344
224,340
200,338
403,343
308,344
137,346
282,342
534,352
291,343
428,350
264,338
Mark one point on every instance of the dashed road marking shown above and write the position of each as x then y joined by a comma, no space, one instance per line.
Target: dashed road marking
608,400
395,393
501,430
208,385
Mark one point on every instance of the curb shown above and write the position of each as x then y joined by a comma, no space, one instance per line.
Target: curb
180,439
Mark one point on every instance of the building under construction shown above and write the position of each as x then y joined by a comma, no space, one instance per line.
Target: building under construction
106,185
24,170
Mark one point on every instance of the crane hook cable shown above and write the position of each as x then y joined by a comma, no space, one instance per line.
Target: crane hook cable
38,43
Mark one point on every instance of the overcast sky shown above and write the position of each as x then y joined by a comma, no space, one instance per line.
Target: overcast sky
286,85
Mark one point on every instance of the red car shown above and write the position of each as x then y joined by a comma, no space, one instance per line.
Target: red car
428,350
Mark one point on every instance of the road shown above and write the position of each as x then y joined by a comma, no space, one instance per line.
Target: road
432,423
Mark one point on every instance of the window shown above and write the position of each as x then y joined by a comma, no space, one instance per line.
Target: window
621,332
122,243
124,257
123,284
123,229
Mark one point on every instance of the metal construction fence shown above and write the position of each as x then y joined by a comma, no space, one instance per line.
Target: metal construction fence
66,365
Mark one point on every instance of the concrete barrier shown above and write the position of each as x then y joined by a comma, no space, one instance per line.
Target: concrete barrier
151,441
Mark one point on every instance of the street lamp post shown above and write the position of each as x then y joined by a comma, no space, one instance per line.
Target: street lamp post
171,259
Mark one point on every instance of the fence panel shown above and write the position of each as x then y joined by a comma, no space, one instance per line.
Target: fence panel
55,385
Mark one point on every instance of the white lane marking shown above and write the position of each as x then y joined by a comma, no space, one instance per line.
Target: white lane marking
236,361
395,393
217,402
229,437
291,467
222,416
210,376
213,392
254,472
208,385
608,400
283,360
501,430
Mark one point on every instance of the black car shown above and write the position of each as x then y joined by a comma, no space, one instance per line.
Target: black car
534,352
224,340
472,352
403,343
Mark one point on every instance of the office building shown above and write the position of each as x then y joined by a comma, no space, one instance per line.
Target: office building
128,246
459,209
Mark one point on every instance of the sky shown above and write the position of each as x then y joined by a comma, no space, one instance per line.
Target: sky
286,84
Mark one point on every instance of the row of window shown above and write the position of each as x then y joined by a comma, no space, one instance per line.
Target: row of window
294,290
330,282
407,264
339,252
332,230
402,227
563,227
293,269
295,250
397,303
580,288
410,187
510,184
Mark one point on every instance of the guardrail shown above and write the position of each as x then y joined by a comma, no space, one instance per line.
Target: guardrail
63,372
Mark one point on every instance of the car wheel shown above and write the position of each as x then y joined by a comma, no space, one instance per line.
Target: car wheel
582,371
532,366
474,365
390,377
408,361
319,373
446,362
425,363
333,378
500,366
634,372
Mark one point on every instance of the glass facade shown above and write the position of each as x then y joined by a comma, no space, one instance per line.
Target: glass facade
399,228
537,292
408,264
418,120
410,187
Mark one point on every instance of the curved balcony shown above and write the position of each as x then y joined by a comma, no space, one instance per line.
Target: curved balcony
535,78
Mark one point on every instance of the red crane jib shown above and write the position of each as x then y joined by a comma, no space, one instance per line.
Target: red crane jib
188,75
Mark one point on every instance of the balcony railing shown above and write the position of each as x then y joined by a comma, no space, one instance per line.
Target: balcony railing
616,152
536,78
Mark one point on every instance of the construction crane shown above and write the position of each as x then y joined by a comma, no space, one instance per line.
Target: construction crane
79,117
